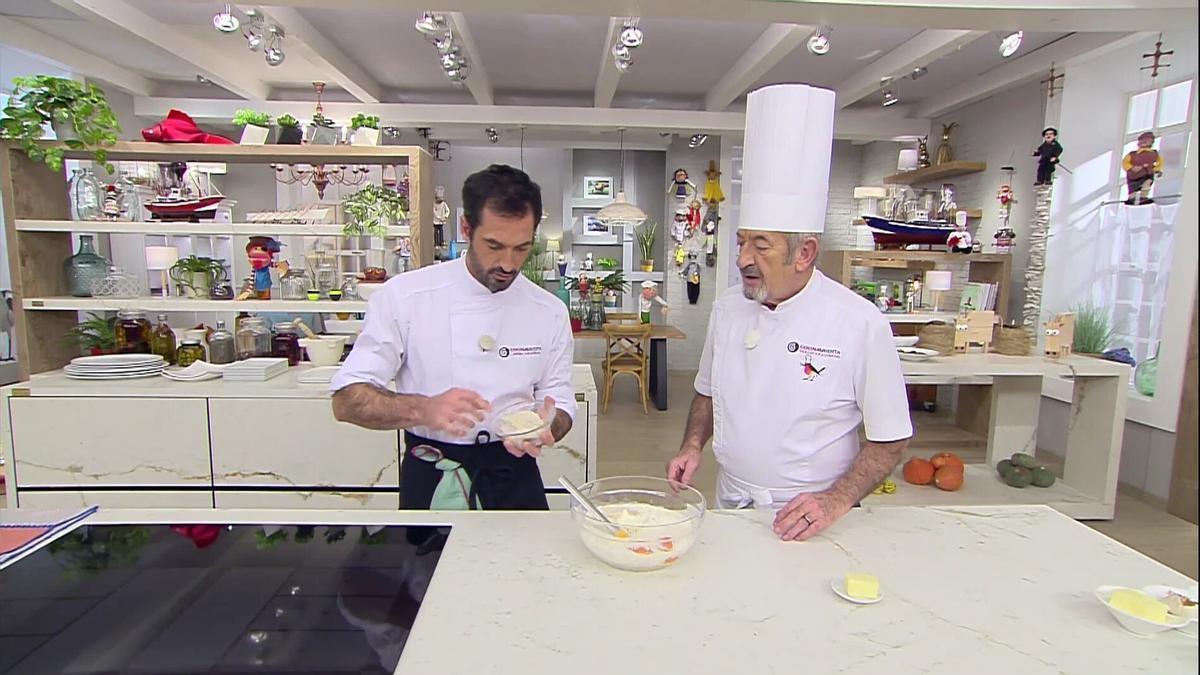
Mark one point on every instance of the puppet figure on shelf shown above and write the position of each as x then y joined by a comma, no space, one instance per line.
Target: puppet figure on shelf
1004,235
1048,154
1142,165
681,188
693,216
262,251
679,226
441,215
648,296
710,242
589,263
403,251
691,276
712,184
959,240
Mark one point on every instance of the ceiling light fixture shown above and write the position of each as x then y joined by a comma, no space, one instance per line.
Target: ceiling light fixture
1010,43
889,96
631,35
620,211
818,43
918,72
225,20
432,25
629,39
440,33
274,52
493,136
697,140
202,79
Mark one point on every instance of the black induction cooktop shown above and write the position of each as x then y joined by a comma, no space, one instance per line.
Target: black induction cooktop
216,599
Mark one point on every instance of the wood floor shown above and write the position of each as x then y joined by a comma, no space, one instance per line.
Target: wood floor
633,443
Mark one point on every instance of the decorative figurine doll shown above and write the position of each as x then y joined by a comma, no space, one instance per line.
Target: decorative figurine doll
262,252
959,240
562,264
441,215
710,243
1142,166
682,189
712,184
693,217
947,204
691,275
1047,153
923,152
1005,235
649,295
403,251
679,227
589,263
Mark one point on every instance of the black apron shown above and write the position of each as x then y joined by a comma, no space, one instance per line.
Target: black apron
499,481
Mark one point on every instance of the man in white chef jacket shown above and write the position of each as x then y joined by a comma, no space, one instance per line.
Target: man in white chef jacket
462,340
794,362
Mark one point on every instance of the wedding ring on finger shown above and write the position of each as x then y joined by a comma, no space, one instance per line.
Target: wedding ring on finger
806,518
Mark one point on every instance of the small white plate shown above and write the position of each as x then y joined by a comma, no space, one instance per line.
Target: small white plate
1161,592
1134,624
906,340
116,360
114,377
916,353
839,588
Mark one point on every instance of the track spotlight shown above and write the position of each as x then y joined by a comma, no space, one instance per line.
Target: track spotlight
629,39
697,140
631,35
226,21
492,135
818,43
274,52
1011,43
431,25
918,72
889,98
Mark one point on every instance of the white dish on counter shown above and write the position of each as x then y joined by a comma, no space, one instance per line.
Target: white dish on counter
116,360
320,375
324,350
916,353
114,376
1136,624
906,340
660,521
838,586
1161,592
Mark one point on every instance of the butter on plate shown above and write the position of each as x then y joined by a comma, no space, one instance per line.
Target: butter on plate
1136,603
862,586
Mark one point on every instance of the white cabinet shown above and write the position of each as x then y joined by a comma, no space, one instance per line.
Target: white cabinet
116,499
569,456
348,500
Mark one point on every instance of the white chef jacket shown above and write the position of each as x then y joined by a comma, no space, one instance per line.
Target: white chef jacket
426,330
790,387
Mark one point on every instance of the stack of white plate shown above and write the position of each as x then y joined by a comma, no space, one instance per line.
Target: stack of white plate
197,372
319,375
255,370
115,367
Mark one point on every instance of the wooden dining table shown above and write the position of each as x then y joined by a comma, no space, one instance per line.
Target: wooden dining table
659,334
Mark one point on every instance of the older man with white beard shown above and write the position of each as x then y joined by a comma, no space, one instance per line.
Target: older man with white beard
794,362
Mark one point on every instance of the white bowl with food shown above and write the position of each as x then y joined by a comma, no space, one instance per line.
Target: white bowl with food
1180,602
1132,622
906,340
658,521
324,350
521,421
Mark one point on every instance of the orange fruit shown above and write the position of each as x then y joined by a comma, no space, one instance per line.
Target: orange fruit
946,459
918,471
948,478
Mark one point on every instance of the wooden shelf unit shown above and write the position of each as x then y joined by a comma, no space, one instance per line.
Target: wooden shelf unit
936,172
38,230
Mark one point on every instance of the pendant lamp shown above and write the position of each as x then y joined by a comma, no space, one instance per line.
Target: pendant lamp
620,211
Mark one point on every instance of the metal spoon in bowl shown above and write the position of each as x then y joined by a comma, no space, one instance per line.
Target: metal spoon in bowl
590,507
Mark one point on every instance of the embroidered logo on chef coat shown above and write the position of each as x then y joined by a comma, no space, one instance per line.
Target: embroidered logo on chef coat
812,370
506,352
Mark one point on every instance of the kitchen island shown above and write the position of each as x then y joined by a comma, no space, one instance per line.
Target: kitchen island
975,591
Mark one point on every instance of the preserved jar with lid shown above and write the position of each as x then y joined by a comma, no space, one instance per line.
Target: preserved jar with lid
326,279
190,352
222,347
285,343
252,338
132,332
294,284
162,340
350,286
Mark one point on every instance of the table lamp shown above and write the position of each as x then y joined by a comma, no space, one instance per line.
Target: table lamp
160,259
909,160
553,248
938,281
870,195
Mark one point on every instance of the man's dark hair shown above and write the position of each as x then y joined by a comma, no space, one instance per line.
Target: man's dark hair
1050,129
505,190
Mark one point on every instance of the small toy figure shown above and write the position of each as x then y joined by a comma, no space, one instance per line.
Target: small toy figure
441,215
710,242
679,227
583,286
945,152
403,251
1004,239
262,252
589,263
562,264
1060,335
693,216
691,274
959,240
1142,166
649,295
682,189
680,255
923,152
712,184
112,202
973,328
1047,153
1007,198
947,204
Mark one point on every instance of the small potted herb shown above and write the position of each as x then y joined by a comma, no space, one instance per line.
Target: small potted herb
646,236
95,336
614,285
608,263
290,132
534,267
196,276
1094,330
78,113
322,131
372,209
365,128
256,126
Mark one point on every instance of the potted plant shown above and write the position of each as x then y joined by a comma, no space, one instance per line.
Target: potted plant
365,128
196,276
290,132
1094,330
372,209
322,131
95,336
256,126
614,285
646,236
78,113
608,263
534,268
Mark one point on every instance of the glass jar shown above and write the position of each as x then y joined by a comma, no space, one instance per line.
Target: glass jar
84,268
1145,376
350,286
594,320
221,345
162,340
285,343
326,279
190,352
133,332
130,200
86,195
253,339
294,284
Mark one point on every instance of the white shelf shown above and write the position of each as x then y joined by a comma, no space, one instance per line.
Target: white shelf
184,229
591,203
192,305
642,276
596,243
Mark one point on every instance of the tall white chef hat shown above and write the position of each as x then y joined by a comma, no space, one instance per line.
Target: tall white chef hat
785,167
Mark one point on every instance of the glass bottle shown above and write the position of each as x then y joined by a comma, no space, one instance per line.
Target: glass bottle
133,332
295,284
595,314
130,200
85,195
221,345
252,338
190,352
162,340
350,286
1145,376
84,268
326,279
285,343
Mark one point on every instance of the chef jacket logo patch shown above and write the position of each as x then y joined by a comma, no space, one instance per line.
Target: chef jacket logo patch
793,347
811,370
506,352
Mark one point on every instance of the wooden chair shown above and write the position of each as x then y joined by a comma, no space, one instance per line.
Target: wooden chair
622,317
627,350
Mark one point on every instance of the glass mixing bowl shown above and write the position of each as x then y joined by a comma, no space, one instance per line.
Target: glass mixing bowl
659,519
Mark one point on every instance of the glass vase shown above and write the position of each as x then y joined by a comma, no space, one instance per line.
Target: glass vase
86,195
84,268
1145,376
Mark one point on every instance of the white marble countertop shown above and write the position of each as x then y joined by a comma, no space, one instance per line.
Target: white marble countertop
285,386
979,590
975,364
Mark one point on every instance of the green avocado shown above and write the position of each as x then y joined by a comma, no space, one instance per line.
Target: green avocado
1023,460
1004,467
1042,477
1019,477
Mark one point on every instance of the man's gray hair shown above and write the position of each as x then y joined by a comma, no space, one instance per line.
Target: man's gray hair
795,241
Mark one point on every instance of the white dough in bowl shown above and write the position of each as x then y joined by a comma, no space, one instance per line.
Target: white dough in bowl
520,422
651,537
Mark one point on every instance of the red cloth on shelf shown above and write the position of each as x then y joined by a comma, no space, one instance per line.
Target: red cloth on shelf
178,127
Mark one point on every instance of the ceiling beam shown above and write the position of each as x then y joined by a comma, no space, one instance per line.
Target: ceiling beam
211,61
28,39
776,42
923,49
477,81
1027,68
872,124
333,63
608,76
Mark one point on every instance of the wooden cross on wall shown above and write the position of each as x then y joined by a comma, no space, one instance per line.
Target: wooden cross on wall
1157,55
1051,82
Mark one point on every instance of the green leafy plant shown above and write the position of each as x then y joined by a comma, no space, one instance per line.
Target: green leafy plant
534,268
608,263
287,121
1094,329
614,281
647,234
90,550
68,105
184,272
360,120
321,120
245,116
95,334
371,209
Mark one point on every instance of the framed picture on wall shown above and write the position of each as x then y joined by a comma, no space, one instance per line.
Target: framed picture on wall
593,225
597,187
